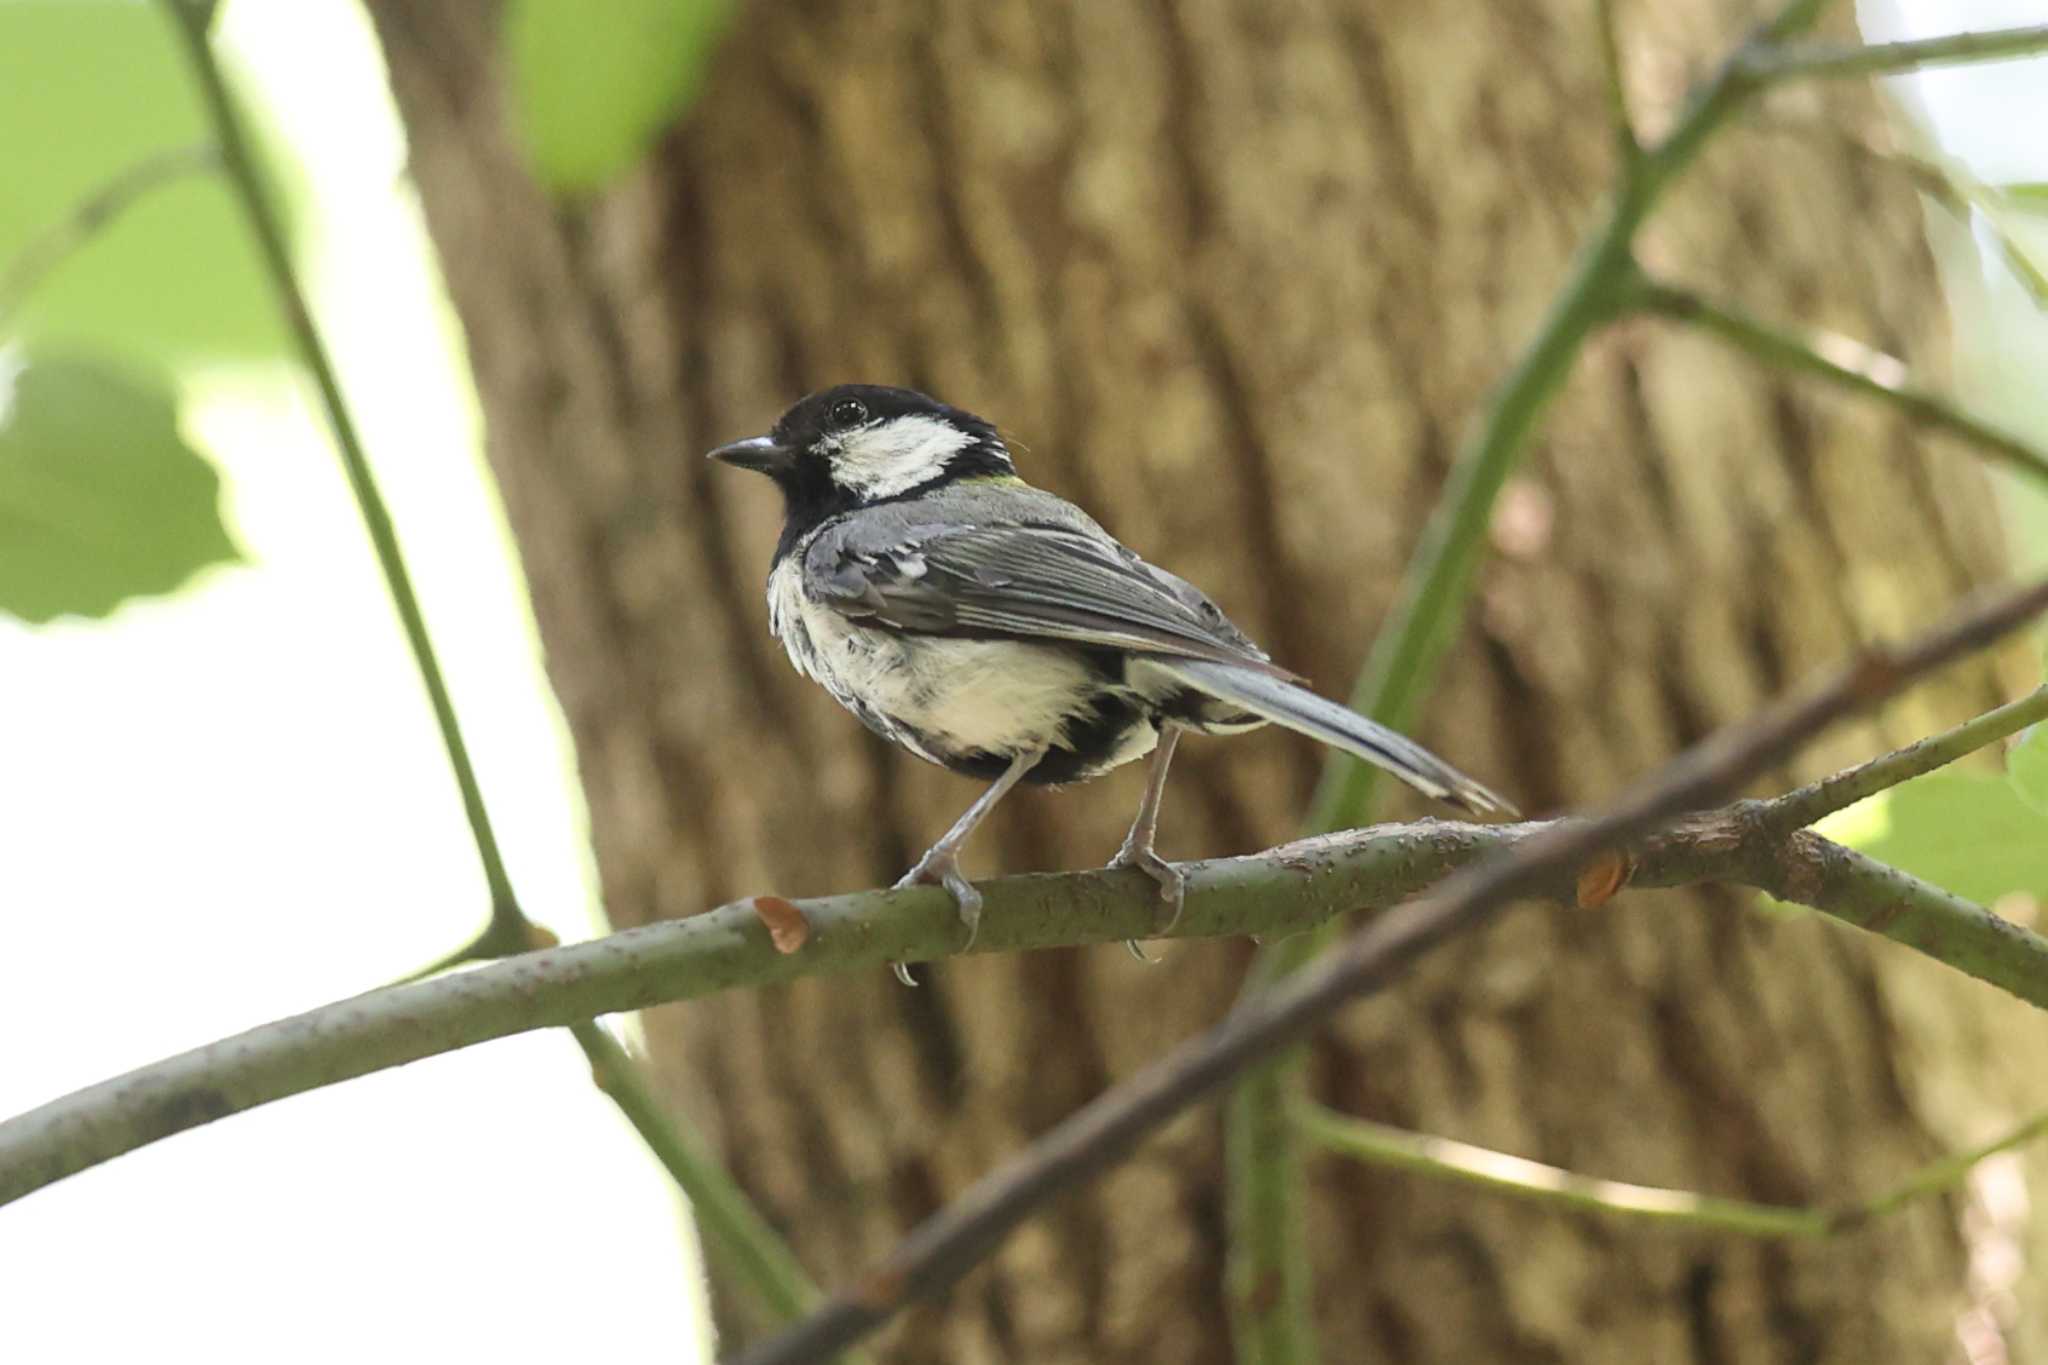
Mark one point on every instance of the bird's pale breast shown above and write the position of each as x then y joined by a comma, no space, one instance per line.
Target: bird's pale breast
940,698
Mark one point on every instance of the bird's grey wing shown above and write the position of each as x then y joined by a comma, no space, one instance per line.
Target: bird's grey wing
1020,581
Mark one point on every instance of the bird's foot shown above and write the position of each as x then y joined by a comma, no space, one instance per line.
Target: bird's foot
1173,887
941,867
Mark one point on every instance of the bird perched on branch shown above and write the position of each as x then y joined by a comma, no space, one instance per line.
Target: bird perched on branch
994,629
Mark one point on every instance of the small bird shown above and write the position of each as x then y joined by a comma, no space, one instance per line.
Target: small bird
995,629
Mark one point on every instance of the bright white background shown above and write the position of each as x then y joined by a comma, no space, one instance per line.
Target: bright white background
231,805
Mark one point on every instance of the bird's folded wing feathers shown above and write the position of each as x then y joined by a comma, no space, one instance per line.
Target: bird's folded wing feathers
1023,581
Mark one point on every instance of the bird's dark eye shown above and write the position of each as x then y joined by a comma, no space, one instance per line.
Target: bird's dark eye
849,412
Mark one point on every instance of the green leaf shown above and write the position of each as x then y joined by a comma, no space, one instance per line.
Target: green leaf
2027,766
592,86
89,89
1970,833
101,500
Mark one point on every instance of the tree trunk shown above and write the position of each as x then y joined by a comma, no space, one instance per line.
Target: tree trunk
1238,273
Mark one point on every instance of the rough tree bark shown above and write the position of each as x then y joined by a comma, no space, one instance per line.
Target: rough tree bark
1237,273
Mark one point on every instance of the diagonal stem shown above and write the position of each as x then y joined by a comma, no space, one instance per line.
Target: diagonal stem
1444,1158
508,930
1860,371
1614,77
1818,800
1828,61
1264,1184
732,1226
735,1233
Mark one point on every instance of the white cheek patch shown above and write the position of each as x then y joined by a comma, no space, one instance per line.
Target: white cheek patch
890,457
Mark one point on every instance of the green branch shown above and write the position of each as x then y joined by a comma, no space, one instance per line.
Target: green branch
736,1236
1268,1284
1443,1158
508,931
1827,61
733,1229
1946,1173
1286,890
734,1232
1263,1179
1863,371
1613,78
1429,605
1818,800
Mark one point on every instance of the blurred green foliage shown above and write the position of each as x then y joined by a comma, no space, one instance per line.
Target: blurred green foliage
101,499
2027,766
593,86
1977,834
89,89
1970,832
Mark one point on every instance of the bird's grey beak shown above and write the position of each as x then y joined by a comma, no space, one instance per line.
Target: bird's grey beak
762,454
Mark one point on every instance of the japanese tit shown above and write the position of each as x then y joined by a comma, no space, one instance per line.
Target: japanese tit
994,629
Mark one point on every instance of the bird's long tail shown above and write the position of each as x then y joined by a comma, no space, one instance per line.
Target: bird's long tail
1340,727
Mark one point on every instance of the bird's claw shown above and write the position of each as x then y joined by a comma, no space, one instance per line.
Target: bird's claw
943,870
1172,882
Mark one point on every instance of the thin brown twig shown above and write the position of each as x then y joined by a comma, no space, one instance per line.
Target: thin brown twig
945,1246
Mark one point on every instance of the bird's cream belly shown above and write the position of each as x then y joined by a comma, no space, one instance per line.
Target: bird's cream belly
930,693
993,696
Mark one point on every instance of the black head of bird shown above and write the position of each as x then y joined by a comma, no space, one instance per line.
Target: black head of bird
857,444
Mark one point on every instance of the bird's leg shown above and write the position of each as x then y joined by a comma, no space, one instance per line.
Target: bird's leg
1137,850
941,862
